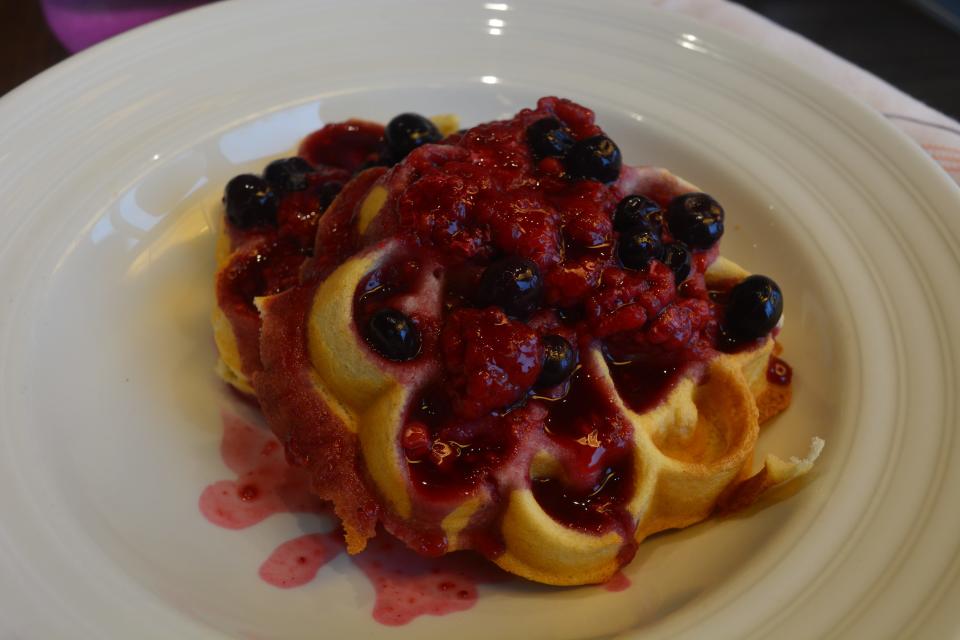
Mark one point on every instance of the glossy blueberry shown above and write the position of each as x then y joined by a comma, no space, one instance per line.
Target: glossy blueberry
513,284
696,219
597,158
753,308
559,361
288,174
677,257
393,335
638,247
548,137
636,211
408,131
250,202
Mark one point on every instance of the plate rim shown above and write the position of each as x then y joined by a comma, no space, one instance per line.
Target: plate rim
918,164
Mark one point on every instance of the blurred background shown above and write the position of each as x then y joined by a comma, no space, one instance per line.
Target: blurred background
913,44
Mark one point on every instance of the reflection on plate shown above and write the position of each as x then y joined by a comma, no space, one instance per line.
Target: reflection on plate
111,415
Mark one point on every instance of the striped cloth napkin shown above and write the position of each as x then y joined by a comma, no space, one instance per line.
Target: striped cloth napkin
936,133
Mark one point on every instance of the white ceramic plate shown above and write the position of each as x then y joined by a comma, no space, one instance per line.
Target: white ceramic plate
111,167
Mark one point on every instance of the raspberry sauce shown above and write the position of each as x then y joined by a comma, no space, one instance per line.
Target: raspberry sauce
642,384
406,585
618,582
296,562
779,372
349,145
265,483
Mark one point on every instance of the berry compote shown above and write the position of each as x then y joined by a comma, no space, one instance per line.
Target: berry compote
271,222
548,261
532,254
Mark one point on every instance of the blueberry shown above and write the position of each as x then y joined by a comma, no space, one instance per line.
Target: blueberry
559,361
393,335
753,308
638,248
408,131
636,211
548,137
513,284
696,219
677,257
288,174
596,158
250,202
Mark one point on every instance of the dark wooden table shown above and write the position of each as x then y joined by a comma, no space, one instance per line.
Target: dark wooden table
892,38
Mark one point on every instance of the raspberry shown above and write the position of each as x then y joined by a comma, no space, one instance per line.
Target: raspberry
625,299
491,361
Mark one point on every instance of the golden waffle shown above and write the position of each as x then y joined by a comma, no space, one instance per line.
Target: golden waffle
341,410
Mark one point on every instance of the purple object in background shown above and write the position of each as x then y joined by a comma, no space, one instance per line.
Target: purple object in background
79,24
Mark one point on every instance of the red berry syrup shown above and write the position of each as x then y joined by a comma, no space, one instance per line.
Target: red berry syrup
265,483
779,372
407,585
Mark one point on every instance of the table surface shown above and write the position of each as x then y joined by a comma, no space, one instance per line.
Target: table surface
894,39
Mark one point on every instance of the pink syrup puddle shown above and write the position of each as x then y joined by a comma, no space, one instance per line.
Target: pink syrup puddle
618,582
296,562
407,585
265,483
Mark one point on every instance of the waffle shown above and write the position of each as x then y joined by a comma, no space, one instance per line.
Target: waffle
559,486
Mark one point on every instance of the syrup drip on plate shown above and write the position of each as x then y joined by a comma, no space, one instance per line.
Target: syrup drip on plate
407,585
296,562
618,582
779,372
265,483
